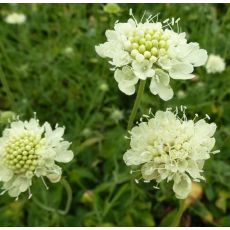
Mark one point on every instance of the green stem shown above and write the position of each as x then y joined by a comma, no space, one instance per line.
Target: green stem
136,104
179,214
68,202
6,87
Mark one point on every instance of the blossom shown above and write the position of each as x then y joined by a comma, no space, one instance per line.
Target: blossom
117,115
167,147
29,150
215,64
15,18
150,49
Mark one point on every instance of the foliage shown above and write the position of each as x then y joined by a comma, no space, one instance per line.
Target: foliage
51,67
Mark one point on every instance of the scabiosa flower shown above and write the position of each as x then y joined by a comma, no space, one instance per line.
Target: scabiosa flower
150,50
15,18
170,148
28,150
215,64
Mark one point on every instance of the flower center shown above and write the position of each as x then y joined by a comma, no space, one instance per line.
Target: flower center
20,153
149,44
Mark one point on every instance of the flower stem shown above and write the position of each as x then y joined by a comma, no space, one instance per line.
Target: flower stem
182,207
136,104
68,202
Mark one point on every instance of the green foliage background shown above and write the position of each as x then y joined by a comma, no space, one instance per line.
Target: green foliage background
64,87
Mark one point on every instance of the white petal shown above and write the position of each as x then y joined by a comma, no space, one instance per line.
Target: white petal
5,173
198,57
182,186
125,28
164,92
163,76
149,172
111,35
193,169
54,174
64,156
203,129
181,71
128,90
132,157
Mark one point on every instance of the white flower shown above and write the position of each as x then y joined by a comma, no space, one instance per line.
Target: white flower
68,51
15,18
103,87
169,148
215,64
117,115
27,150
147,46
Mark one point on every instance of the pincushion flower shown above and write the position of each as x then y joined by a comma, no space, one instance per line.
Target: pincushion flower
170,148
15,18
215,64
138,51
29,150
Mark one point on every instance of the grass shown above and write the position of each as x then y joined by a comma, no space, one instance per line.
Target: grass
49,66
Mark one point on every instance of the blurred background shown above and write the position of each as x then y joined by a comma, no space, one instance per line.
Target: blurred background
48,65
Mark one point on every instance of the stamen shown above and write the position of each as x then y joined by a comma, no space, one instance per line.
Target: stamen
207,116
165,21
215,152
30,194
143,16
3,192
131,14
44,183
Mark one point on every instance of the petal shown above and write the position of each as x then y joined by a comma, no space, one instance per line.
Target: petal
64,156
198,57
193,169
54,174
164,92
163,76
124,28
132,157
125,77
181,71
182,186
5,173
143,69
149,172
111,35
128,90
203,129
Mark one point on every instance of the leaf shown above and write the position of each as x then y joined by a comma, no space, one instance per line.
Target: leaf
225,221
168,219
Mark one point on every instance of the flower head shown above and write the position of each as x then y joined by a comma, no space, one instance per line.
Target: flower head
28,150
138,51
170,148
117,115
15,18
215,64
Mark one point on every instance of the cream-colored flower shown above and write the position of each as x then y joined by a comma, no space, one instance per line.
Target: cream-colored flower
215,64
117,115
28,150
148,46
15,18
170,148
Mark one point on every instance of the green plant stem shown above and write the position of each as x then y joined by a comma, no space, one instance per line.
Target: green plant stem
136,104
179,214
6,87
68,202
